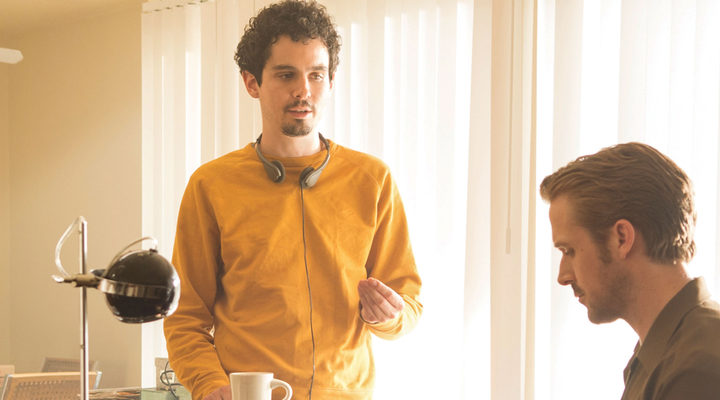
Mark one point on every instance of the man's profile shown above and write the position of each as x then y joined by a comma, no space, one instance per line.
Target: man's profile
624,220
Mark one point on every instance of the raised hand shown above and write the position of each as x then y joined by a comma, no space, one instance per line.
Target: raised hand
378,303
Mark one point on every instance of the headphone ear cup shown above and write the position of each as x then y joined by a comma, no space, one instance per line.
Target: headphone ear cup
275,171
309,177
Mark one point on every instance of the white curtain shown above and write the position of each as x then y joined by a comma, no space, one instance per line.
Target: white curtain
613,71
190,100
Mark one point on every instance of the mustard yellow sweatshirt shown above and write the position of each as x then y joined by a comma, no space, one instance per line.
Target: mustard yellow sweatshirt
245,304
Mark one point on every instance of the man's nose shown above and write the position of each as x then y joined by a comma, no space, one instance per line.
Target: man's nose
302,89
565,273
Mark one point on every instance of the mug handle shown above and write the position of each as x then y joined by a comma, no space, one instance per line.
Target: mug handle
275,383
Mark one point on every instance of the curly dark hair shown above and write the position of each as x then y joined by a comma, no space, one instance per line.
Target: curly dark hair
298,19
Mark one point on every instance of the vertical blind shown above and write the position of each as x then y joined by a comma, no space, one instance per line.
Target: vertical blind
612,71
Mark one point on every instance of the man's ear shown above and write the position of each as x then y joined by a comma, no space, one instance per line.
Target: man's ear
622,238
251,84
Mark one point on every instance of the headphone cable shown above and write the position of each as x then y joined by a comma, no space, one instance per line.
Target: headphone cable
307,276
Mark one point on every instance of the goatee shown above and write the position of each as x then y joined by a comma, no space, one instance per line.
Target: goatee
296,130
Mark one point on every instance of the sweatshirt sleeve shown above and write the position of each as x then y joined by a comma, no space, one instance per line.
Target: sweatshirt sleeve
188,332
391,261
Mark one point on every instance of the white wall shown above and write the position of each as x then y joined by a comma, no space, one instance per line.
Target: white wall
74,149
4,217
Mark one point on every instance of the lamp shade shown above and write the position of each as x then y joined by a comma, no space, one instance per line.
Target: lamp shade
140,286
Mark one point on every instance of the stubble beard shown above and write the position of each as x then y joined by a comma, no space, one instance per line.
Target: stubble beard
609,305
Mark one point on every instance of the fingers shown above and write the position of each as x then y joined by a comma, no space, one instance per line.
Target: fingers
367,311
390,295
383,302
370,310
379,303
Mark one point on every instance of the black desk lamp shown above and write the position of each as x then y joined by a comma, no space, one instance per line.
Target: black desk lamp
139,286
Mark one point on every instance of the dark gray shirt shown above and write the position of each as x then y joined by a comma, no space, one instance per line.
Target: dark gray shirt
680,358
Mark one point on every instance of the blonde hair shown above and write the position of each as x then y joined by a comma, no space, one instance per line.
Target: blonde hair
631,181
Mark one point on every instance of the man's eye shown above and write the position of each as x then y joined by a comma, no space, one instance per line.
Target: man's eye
317,77
566,252
285,76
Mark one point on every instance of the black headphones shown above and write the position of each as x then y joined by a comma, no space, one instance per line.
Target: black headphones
276,171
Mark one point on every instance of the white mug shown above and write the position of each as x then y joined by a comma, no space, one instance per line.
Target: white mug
256,386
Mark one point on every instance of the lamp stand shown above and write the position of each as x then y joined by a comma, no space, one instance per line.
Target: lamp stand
84,358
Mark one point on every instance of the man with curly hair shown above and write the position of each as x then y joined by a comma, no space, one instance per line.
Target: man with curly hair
283,271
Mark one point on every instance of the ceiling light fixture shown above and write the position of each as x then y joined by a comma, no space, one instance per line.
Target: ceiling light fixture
10,56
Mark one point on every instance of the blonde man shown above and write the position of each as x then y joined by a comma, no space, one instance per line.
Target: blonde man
624,220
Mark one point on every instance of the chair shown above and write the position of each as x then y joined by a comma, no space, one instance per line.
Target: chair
5,370
58,364
44,386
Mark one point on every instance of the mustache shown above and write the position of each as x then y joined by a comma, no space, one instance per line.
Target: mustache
576,289
300,103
